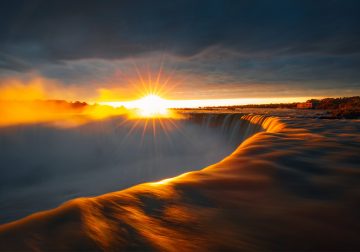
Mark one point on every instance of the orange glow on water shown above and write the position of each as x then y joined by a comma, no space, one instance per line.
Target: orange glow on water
58,113
144,96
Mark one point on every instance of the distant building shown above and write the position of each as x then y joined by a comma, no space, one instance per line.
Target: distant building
305,105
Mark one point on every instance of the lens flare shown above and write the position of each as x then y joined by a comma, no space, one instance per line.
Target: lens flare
151,106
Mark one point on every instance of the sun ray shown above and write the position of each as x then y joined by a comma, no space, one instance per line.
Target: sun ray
164,128
134,125
144,130
154,128
142,81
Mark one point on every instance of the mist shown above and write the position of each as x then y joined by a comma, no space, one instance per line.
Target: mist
43,166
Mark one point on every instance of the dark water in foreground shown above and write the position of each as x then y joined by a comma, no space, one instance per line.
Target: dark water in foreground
43,166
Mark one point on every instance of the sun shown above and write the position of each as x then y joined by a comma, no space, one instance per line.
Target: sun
152,106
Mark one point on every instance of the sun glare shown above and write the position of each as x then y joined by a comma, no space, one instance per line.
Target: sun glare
151,106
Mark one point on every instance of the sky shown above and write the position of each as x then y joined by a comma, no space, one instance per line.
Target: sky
243,49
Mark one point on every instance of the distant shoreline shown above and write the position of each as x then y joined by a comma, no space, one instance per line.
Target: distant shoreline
336,108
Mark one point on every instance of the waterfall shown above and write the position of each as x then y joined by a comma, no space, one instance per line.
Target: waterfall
235,127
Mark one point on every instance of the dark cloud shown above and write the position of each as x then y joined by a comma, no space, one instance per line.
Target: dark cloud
115,29
263,40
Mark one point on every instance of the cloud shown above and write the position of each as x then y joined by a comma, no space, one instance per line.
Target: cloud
229,42
116,29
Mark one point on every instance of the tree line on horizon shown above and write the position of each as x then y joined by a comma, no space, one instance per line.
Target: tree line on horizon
342,107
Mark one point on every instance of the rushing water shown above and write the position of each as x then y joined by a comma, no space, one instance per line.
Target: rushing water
292,186
43,166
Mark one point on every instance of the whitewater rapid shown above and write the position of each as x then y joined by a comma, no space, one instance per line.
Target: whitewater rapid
292,184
